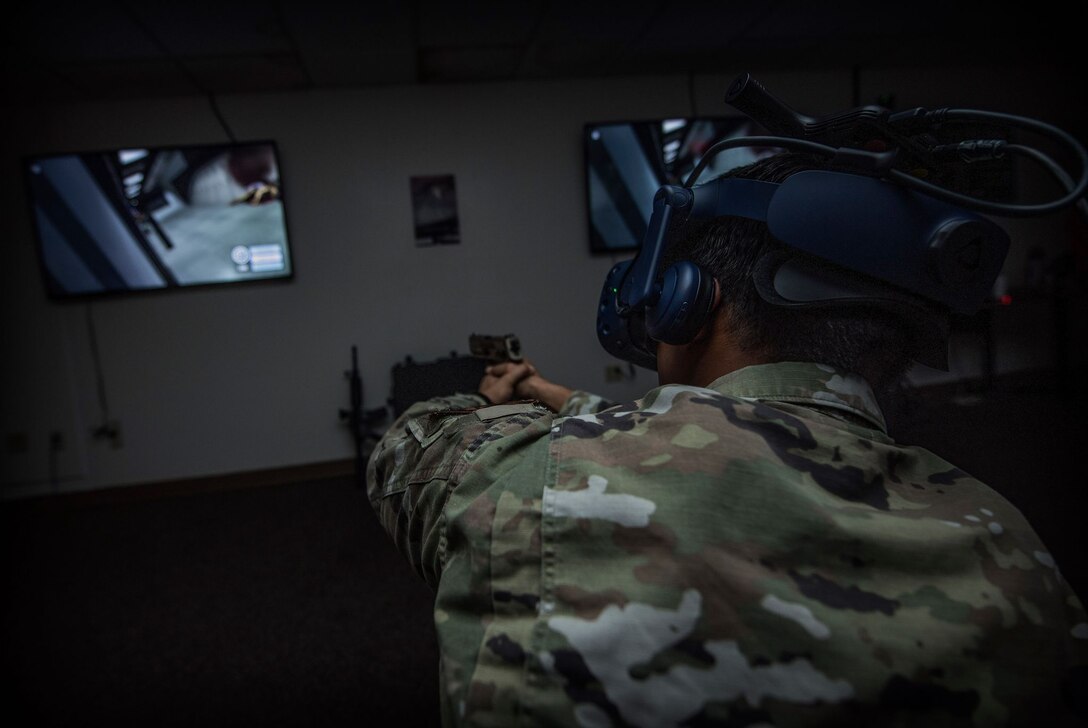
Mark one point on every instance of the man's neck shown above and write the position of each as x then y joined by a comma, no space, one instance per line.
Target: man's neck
719,359
704,360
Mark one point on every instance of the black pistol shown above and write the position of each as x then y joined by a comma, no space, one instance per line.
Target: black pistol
495,348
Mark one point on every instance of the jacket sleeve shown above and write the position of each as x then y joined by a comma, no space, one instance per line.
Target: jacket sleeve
422,459
583,403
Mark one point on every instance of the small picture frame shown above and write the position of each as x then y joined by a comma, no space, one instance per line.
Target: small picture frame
434,210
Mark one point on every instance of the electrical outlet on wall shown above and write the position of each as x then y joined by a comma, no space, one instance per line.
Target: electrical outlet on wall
41,461
109,430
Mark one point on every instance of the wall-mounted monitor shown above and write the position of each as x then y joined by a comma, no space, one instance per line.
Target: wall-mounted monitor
143,219
626,162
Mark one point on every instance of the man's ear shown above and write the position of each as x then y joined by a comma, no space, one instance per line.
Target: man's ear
712,316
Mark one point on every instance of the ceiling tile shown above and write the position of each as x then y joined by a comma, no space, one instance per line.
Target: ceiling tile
137,47
31,80
241,74
572,59
345,68
76,31
700,25
210,27
469,64
345,44
571,22
344,27
477,22
124,79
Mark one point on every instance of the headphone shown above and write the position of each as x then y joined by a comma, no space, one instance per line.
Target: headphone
909,244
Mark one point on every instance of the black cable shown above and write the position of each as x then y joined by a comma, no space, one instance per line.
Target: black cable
797,145
977,204
185,71
1054,168
222,120
97,368
1075,191
941,116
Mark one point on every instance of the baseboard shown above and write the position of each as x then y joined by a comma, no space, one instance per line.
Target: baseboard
1030,380
163,489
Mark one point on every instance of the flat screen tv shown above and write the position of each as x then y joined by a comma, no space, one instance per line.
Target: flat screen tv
144,219
626,162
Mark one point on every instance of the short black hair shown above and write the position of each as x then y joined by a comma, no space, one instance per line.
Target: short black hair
869,341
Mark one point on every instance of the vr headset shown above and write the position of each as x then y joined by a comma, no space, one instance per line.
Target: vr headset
866,234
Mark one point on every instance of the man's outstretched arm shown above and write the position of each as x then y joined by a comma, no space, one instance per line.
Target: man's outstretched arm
563,400
424,454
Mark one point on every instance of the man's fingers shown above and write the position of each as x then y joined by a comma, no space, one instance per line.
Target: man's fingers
514,372
501,368
511,371
501,381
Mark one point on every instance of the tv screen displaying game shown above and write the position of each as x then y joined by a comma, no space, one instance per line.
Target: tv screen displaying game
143,219
626,162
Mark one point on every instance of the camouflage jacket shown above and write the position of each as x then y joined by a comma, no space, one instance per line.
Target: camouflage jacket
755,552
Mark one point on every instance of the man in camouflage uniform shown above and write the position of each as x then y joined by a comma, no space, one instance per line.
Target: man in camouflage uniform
744,545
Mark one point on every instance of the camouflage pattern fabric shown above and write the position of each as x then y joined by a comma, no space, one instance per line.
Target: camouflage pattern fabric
584,403
757,552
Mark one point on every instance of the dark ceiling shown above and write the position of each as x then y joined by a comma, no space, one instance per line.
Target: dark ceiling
124,48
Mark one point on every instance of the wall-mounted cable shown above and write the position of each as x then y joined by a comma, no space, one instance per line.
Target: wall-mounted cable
182,68
107,428
222,120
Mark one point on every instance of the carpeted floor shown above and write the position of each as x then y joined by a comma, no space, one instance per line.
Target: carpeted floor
278,606
287,606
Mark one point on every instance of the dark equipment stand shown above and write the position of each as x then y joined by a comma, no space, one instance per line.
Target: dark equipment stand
359,420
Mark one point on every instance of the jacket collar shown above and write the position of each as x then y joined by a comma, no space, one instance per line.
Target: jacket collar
805,384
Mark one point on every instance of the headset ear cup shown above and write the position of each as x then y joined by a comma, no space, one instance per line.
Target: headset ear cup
687,298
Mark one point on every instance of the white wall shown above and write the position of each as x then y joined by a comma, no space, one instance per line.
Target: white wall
240,378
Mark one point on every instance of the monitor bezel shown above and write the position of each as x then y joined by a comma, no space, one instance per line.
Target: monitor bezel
86,296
